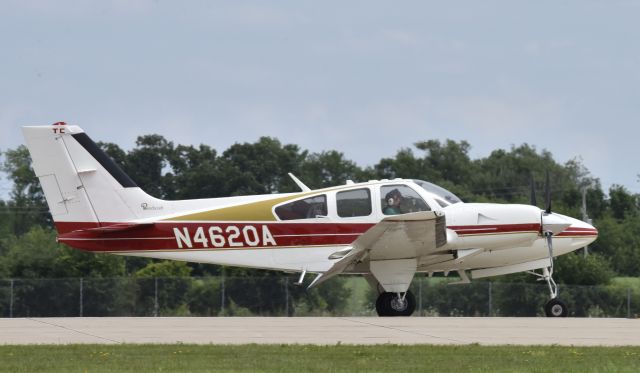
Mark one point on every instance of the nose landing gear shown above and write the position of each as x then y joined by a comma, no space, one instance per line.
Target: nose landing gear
396,304
554,307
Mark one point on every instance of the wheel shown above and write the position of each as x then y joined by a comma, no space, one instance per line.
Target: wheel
389,304
381,305
403,308
556,308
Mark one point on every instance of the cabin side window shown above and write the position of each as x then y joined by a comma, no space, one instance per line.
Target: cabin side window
308,208
353,203
400,199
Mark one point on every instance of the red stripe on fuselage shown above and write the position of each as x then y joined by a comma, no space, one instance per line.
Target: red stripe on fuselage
161,235
463,230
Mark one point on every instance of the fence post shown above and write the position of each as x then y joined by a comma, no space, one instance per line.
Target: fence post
286,295
155,297
628,303
11,300
81,295
490,298
420,295
222,295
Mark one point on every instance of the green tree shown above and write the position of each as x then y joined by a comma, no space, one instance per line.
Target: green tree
165,268
148,162
619,242
195,173
27,206
261,167
166,282
405,164
445,164
325,169
576,269
450,161
47,275
623,204
36,254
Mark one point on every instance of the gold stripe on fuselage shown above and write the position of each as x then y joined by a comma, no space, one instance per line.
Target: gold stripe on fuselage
252,211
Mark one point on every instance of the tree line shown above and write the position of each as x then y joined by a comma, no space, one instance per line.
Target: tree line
165,170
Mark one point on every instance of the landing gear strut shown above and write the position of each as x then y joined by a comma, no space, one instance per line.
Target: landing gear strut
395,304
554,307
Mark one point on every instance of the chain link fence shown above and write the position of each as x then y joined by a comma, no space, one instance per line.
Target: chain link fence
279,296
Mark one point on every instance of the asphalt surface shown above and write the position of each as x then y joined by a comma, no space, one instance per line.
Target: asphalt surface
322,330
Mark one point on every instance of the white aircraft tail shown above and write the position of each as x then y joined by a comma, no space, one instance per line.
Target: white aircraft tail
80,182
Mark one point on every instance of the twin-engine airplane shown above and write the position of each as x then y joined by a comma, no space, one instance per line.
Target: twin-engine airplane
386,230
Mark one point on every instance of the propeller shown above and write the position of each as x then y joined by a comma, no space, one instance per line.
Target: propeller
552,224
533,191
547,191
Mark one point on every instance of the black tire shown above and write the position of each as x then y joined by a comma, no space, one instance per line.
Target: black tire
381,305
388,304
556,308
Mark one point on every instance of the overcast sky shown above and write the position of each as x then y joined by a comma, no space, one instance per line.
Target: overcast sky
365,78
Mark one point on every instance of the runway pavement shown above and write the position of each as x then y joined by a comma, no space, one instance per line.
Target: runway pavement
322,330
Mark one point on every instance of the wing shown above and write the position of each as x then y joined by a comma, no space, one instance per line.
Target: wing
407,236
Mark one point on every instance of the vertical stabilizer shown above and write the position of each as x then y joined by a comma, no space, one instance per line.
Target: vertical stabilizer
61,183
80,182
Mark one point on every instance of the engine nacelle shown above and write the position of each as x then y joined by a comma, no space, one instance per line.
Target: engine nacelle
490,226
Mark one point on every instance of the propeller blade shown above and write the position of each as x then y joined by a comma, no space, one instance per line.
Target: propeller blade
533,192
547,190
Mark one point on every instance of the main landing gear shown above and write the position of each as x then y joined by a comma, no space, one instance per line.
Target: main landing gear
395,304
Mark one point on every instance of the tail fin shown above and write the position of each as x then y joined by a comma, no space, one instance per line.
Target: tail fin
82,185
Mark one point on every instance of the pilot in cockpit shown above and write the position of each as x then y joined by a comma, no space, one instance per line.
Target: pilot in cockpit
393,200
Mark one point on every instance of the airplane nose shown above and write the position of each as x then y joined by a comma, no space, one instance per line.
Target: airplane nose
583,232
588,230
592,234
593,231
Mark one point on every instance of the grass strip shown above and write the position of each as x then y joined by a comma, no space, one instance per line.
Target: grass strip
312,358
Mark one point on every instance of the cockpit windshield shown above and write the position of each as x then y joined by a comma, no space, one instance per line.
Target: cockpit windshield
438,191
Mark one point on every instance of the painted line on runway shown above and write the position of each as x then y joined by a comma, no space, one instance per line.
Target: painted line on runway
405,331
74,330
